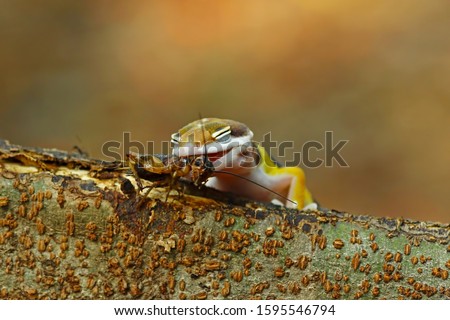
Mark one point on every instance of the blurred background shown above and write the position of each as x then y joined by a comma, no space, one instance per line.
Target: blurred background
376,73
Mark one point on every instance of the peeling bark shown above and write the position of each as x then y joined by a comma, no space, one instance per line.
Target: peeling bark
75,228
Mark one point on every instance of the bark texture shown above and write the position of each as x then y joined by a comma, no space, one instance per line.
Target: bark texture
75,228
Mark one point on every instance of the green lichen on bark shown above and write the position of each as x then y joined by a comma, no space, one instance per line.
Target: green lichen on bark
75,228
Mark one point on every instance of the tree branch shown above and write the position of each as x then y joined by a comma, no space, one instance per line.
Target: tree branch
72,227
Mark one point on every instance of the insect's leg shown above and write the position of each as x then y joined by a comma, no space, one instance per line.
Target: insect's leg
179,188
143,197
133,161
167,196
149,189
179,191
168,191
180,169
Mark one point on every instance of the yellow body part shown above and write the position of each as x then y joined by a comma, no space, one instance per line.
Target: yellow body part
297,190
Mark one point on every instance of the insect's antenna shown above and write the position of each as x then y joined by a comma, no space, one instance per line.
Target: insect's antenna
205,156
256,183
205,153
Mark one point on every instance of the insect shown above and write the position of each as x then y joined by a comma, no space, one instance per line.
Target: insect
165,170
232,162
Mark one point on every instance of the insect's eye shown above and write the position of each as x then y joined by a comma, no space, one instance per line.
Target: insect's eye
222,134
198,162
175,138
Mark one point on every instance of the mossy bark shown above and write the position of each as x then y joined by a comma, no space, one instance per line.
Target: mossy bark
74,228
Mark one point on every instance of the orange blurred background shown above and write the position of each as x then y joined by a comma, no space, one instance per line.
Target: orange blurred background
375,73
